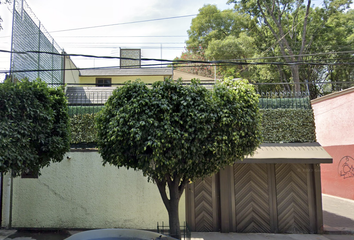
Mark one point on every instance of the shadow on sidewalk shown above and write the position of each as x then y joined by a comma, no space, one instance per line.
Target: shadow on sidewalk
40,234
336,224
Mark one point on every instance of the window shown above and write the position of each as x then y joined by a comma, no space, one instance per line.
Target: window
29,174
103,82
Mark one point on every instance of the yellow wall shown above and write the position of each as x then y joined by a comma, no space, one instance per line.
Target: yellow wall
122,79
81,193
71,76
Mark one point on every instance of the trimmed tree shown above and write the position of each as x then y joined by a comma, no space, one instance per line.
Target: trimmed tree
175,133
34,126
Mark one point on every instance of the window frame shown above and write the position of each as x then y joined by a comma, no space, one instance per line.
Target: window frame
104,84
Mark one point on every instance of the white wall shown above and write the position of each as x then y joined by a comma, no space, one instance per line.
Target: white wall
81,193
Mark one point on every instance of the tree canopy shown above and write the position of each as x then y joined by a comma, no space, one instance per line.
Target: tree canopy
290,41
175,133
34,126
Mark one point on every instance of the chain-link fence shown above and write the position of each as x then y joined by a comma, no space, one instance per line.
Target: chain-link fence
35,54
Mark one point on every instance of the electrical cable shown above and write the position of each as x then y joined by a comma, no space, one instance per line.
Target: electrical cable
176,63
124,23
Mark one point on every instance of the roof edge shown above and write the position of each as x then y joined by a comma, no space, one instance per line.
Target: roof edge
332,95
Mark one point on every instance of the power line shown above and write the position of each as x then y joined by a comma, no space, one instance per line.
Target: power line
175,61
123,36
124,23
164,62
117,36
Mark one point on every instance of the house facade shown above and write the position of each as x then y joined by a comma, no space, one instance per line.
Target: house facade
113,76
334,117
278,189
110,77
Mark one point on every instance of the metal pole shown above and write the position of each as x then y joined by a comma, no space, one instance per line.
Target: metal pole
52,73
215,73
63,66
8,202
161,53
39,49
12,42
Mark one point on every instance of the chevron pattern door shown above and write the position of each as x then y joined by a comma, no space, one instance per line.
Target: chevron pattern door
203,214
292,198
251,198
259,198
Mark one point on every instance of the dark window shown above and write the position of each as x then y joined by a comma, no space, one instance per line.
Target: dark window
103,82
29,174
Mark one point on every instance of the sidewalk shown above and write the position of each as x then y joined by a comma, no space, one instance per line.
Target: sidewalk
338,214
267,236
338,219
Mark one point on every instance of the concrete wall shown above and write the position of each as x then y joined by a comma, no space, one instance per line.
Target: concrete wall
338,177
334,117
81,193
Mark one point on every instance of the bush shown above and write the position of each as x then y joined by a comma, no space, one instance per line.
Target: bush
279,125
80,110
288,125
34,126
83,128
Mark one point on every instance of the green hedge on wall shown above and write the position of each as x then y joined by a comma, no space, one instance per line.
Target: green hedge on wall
83,128
77,110
288,125
279,125
264,103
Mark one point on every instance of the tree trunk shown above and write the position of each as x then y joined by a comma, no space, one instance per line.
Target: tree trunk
296,78
175,230
176,188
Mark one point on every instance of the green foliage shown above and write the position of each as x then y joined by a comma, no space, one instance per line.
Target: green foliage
34,126
278,32
173,130
83,131
80,110
175,133
288,125
83,128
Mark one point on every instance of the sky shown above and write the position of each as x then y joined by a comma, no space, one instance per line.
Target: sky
163,39
158,39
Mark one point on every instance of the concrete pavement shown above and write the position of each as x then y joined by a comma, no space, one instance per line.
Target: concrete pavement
338,214
267,236
338,219
195,236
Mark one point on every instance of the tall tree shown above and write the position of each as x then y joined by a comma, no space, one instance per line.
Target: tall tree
175,133
289,33
289,22
272,13
220,35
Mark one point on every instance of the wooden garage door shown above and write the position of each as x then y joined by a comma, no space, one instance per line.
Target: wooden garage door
251,198
292,198
261,198
203,205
